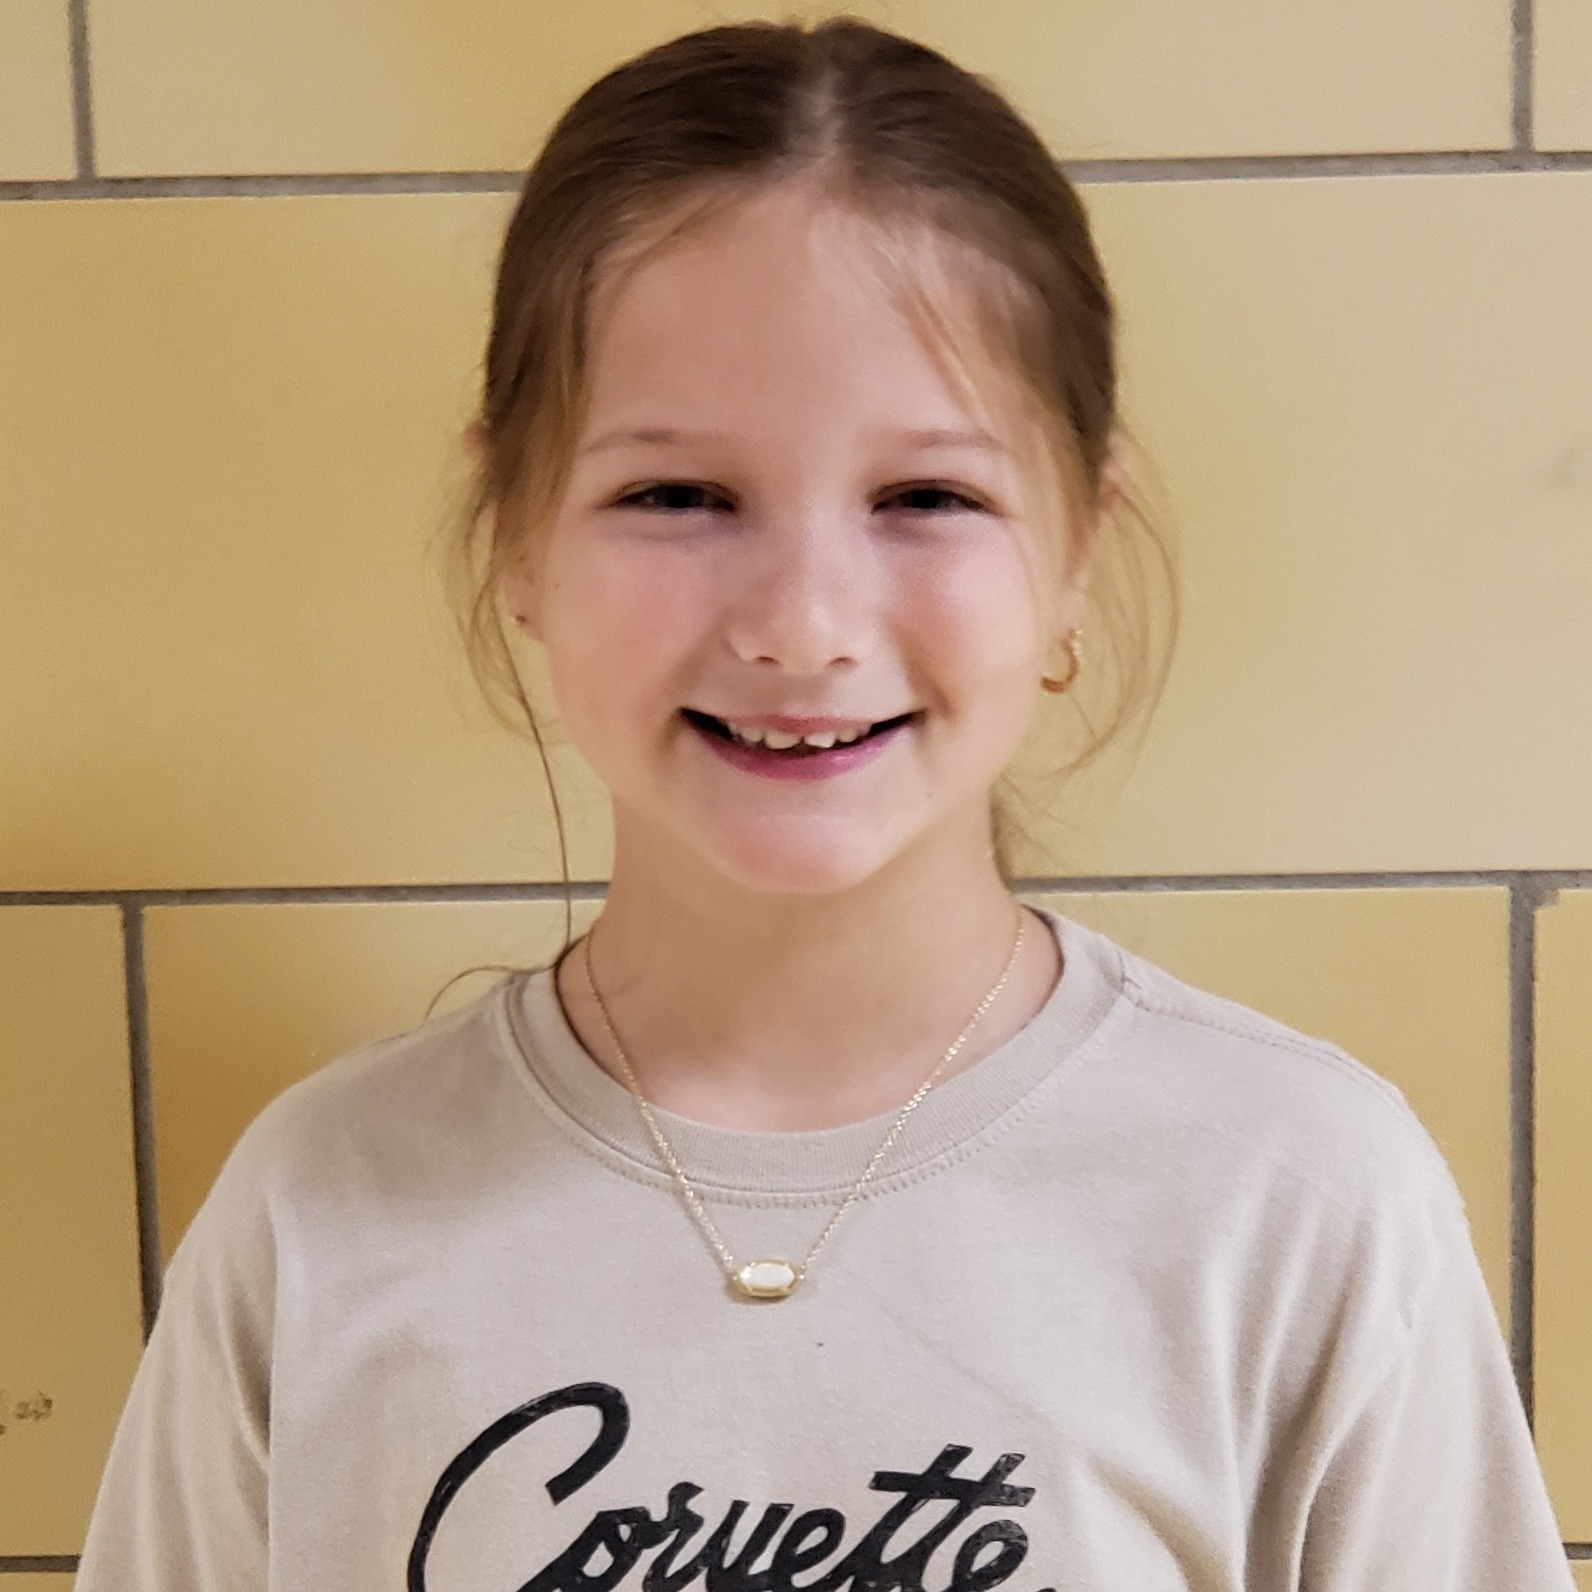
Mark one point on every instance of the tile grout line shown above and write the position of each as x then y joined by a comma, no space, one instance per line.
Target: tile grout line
595,889
1179,168
1522,84
82,91
1526,894
267,895
144,1166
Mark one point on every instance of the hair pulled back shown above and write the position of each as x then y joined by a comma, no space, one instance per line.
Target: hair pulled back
965,204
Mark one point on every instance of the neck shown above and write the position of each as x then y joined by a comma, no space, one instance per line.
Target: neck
778,1012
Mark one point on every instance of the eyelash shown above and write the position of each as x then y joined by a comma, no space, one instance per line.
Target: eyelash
630,499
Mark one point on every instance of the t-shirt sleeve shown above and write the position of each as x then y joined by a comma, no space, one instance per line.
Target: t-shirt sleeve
182,1500
1432,1483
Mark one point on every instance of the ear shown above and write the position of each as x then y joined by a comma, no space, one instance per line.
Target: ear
521,595
1114,472
1113,484
517,586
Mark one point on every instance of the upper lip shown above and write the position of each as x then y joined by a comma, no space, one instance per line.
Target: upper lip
798,724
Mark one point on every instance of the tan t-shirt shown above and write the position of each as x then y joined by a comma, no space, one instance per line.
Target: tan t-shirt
1159,1295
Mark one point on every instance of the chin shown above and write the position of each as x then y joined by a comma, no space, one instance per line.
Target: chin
817,863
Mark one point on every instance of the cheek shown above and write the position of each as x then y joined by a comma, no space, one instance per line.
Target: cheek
618,624
977,614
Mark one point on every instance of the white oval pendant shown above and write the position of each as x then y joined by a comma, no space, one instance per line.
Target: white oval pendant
767,1279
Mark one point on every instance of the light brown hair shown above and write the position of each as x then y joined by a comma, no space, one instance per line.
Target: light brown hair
966,207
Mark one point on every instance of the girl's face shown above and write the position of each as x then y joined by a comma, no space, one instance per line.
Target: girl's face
757,525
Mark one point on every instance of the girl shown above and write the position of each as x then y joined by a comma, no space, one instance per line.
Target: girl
823,1220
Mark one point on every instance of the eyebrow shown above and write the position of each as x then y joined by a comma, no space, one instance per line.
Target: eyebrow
664,436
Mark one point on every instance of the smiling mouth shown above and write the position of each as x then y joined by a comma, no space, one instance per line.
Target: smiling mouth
718,727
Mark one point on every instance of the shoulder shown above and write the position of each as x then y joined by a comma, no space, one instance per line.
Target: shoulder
430,1067
1287,1183
1282,1108
394,1101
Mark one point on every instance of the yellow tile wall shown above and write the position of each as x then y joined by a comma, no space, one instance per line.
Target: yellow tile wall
1370,403
71,1326
1564,1205
230,420
251,636
356,85
1563,72
259,655
35,92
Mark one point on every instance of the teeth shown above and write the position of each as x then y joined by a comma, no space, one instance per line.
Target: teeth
780,741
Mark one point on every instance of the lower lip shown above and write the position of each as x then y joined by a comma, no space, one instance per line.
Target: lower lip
815,765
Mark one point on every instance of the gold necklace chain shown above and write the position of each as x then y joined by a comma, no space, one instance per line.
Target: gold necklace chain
774,1279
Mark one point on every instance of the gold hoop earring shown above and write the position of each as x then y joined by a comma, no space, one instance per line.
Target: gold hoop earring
1074,645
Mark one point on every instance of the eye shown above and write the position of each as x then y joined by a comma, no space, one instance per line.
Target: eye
685,497
929,490
673,497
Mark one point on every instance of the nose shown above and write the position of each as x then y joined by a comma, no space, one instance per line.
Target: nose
807,594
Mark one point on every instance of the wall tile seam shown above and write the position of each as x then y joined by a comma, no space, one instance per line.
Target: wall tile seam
1526,896
146,1186
82,90
1545,883
284,895
1544,879
1522,86
1087,173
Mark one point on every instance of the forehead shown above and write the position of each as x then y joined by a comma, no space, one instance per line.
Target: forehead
780,304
